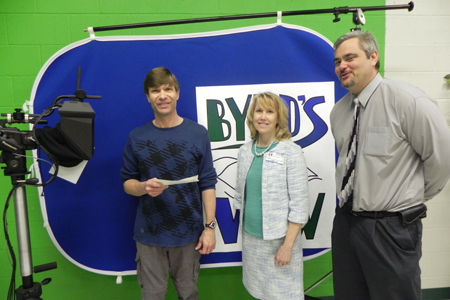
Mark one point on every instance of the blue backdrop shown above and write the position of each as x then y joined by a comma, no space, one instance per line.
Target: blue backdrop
92,221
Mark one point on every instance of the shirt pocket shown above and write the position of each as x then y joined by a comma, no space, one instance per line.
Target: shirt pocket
377,141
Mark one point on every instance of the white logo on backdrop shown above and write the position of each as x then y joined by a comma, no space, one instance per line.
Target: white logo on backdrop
222,110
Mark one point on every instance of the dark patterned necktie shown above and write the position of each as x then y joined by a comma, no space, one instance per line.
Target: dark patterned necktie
347,182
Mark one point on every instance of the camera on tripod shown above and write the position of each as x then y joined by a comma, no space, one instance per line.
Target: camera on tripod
67,144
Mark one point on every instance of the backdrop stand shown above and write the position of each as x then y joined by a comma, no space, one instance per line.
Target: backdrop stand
335,11
316,284
358,19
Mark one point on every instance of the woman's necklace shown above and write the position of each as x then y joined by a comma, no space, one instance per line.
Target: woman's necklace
265,150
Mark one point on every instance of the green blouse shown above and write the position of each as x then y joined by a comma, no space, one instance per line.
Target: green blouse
253,195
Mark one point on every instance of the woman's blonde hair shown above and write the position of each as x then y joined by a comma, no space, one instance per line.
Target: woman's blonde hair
269,100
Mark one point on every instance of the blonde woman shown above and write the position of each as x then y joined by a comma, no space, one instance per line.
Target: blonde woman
272,194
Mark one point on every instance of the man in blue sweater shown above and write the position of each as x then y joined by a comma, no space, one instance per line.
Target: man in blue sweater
170,232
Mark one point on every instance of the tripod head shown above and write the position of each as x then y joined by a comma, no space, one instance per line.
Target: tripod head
13,142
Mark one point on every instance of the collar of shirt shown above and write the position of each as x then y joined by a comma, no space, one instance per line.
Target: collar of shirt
366,93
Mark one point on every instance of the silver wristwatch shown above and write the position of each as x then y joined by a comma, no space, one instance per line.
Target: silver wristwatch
211,225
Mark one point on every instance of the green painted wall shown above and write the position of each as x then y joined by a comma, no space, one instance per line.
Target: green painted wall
31,31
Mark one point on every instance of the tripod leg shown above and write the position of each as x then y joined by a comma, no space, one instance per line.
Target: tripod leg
23,237
29,290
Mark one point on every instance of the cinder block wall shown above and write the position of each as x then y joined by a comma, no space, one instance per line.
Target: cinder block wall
418,52
31,31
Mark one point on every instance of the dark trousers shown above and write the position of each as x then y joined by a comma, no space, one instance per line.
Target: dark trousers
375,259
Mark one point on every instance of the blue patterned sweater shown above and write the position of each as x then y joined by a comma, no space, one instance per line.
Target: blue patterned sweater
174,218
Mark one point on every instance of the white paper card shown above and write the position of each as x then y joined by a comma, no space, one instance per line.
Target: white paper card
181,181
71,174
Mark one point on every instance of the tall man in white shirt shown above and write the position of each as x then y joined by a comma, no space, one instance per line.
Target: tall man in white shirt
402,161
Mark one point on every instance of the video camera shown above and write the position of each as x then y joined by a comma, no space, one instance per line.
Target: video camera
67,144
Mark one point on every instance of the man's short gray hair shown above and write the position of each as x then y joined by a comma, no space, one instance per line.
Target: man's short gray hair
367,43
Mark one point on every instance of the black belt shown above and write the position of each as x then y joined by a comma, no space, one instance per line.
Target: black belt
375,214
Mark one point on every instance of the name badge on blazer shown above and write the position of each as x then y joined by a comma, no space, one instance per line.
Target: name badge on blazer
275,157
